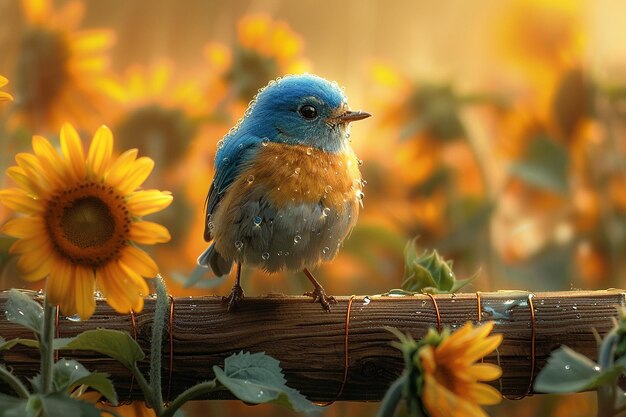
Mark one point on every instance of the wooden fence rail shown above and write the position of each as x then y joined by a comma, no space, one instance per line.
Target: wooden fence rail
311,343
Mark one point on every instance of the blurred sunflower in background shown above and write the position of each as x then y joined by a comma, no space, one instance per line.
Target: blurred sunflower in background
4,96
170,120
264,50
82,216
444,197
159,114
555,208
62,73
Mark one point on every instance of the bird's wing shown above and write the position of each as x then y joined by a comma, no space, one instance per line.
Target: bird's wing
230,161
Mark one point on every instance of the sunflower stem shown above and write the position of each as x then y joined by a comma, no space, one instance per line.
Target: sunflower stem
45,346
149,394
156,342
392,397
188,395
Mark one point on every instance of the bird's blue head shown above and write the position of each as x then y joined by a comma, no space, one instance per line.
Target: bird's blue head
301,110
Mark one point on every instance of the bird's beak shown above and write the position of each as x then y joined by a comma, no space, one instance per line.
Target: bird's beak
351,116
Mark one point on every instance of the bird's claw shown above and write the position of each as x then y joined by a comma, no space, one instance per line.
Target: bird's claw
236,295
319,296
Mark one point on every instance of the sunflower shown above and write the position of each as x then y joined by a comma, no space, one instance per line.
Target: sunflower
158,115
82,219
61,73
452,378
546,33
265,49
4,96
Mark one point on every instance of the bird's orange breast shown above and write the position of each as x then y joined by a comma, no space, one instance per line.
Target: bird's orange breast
301,174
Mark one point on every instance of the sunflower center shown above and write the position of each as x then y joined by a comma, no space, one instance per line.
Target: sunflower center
250,71
88,224
162,133
41,68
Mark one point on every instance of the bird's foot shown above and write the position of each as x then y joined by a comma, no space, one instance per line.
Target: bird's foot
319,296
236,295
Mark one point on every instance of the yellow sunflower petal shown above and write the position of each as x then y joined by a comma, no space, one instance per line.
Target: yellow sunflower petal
138,304
17,200
427,357
448,346
149,233
485,394
136,286
120,167
480,332
3,81
110,280
441,402
92,40
482,348
100,151
36,11
50,160
4,96
42,271
68,302
33,169
147,202
454,347
24,227
18,175
29,259
484,372
73,150
35,265
58,285
137,260
137,174
29,245
84,291
91,397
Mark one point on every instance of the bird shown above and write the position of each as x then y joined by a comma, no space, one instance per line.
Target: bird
287,187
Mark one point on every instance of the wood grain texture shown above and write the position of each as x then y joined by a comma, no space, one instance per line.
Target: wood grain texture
310,342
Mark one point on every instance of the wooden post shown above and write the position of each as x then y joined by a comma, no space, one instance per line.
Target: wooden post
311,343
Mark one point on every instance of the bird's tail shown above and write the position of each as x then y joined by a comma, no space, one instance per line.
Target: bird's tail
211,258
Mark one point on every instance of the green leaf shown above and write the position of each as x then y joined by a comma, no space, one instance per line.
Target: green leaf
257,378
13,406
544,166
23,310
62,405
460,283
68,374
13,342
569,371
58,343
113,343
437,112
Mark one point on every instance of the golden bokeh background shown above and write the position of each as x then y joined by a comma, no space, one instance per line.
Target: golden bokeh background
498,134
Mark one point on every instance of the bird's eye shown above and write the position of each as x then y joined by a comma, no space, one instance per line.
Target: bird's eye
308,112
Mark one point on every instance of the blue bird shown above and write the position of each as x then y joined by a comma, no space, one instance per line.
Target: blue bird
287,186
